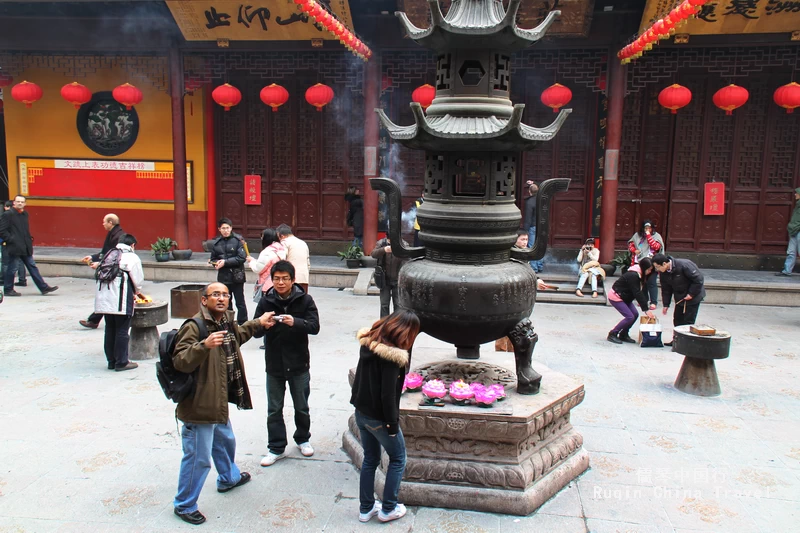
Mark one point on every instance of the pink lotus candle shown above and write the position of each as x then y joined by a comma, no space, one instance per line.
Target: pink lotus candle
413,381
499,391
477,387
485,398
460,391
434,389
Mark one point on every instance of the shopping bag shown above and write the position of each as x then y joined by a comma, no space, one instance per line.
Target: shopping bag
650,333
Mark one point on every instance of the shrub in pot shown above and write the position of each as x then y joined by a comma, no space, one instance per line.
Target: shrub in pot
352,256
162,247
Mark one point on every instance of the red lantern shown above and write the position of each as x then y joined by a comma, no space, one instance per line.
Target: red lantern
675,97
697,3
76,94
26,92
788,96
274,96
127,95
686,9
5,80
556,96
730,97
227,96
424,95
319,95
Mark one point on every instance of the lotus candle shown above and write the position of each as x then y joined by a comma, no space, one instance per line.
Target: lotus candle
413,381
460,392
499,391
477,387
485,397
434,389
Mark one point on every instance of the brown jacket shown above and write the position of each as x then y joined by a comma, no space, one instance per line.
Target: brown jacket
209,403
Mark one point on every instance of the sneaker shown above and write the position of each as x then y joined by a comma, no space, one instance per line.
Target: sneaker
399,512
613,338
270,458
49,289
21,284
306,449
87,324
195,518
13,293
366,517
245,477
129,366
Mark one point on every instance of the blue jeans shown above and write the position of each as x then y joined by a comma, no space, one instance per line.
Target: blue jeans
791,253
201,443
14,264
299,388
4,263
537,266
373,436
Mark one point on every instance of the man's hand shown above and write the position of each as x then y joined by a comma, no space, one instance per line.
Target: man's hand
87,259
266,320
215,339
288,320
387,249
95,265
664,311
688,297
248,258
219,264
650,314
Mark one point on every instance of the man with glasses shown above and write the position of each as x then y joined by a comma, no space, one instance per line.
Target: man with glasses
294,317
216,363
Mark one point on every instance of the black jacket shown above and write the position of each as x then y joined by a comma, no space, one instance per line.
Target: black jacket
629,288
16,233
111,242
390,263
529,214
231,250
379,381
286,348
355,214
685,278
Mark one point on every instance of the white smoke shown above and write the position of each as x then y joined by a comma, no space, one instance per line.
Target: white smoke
408,218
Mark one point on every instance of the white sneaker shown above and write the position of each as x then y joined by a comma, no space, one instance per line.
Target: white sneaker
366,517
270,458
306,449
399,512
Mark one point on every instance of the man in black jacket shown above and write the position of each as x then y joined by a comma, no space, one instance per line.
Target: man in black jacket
23,278
529,221
113,236
390,264
681,279
16,234
287,359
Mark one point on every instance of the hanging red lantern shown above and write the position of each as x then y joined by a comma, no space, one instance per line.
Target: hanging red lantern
191,84
556,96
76,94
730,98
698,3
227,96
1,107
5,80
424,95
686,9
274,96
26,92
319,95
675,97
788,96
127,95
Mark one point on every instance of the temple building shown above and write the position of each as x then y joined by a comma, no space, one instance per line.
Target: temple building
177,148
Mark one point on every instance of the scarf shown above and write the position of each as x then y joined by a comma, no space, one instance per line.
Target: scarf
237,390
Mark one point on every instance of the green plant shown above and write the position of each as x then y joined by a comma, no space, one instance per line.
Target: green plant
163,245
622,260
352,252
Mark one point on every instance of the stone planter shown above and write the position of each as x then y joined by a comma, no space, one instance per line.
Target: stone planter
609,269
181,255
162,257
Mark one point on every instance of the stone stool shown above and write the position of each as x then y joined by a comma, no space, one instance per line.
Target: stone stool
698,375
144,333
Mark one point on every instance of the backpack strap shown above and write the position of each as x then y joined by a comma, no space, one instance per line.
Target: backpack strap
201,325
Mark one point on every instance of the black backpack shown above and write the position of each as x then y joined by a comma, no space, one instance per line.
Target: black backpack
108,269
176,385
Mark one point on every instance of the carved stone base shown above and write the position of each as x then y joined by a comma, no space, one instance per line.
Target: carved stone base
486,461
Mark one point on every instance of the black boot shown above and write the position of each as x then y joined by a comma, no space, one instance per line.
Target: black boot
625,337
612,337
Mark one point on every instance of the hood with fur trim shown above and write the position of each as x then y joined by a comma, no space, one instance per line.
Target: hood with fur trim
388,353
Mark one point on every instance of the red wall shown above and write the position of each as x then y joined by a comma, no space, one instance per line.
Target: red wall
83,226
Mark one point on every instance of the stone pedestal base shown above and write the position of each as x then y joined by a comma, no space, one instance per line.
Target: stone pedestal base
698,377
144,335
481,460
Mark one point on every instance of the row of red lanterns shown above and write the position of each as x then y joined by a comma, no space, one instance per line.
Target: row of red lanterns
661,29
555,97
728,98
321,15
273,95
76,94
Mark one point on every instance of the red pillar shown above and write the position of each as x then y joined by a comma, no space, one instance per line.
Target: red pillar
211,164
608,212
372,87
181,204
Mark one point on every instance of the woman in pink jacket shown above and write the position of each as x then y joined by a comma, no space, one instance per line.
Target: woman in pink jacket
272,251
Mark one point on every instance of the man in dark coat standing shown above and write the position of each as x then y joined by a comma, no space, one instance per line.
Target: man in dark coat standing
355,215
390,264
113,235
23,278
16,235
529,221
682,280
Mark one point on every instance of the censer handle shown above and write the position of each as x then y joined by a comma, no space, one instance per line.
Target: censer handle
547,189
392,191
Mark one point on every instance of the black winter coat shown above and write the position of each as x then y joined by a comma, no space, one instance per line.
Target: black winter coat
355,214
286,348
629,288
390,263
16,233
529,214
378,383
111,242
231,250
685,278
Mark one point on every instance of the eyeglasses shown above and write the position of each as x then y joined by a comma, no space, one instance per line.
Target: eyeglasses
219,295
282,279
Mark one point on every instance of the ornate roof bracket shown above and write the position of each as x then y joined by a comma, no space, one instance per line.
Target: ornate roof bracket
533,35
543,134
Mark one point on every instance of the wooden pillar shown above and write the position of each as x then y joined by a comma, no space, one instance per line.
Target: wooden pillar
181,205
608,213
211,164
372,87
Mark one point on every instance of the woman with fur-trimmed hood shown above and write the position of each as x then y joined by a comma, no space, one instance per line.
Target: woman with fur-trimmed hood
377,386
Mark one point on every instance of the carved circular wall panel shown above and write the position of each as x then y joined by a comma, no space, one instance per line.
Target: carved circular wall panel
106,127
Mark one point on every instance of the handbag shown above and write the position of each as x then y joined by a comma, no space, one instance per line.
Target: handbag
238,276
379,276
650,333
257,292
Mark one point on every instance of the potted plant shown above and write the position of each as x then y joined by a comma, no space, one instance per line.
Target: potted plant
622,261
352,256
162,247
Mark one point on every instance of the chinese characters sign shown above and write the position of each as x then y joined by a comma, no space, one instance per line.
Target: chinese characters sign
714,199
202,20
732,16
107,179
252,189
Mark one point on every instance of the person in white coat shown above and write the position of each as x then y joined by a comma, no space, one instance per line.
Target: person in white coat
114,299
272,251
297,254
589,261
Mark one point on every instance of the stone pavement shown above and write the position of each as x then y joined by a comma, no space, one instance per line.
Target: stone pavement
83,449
